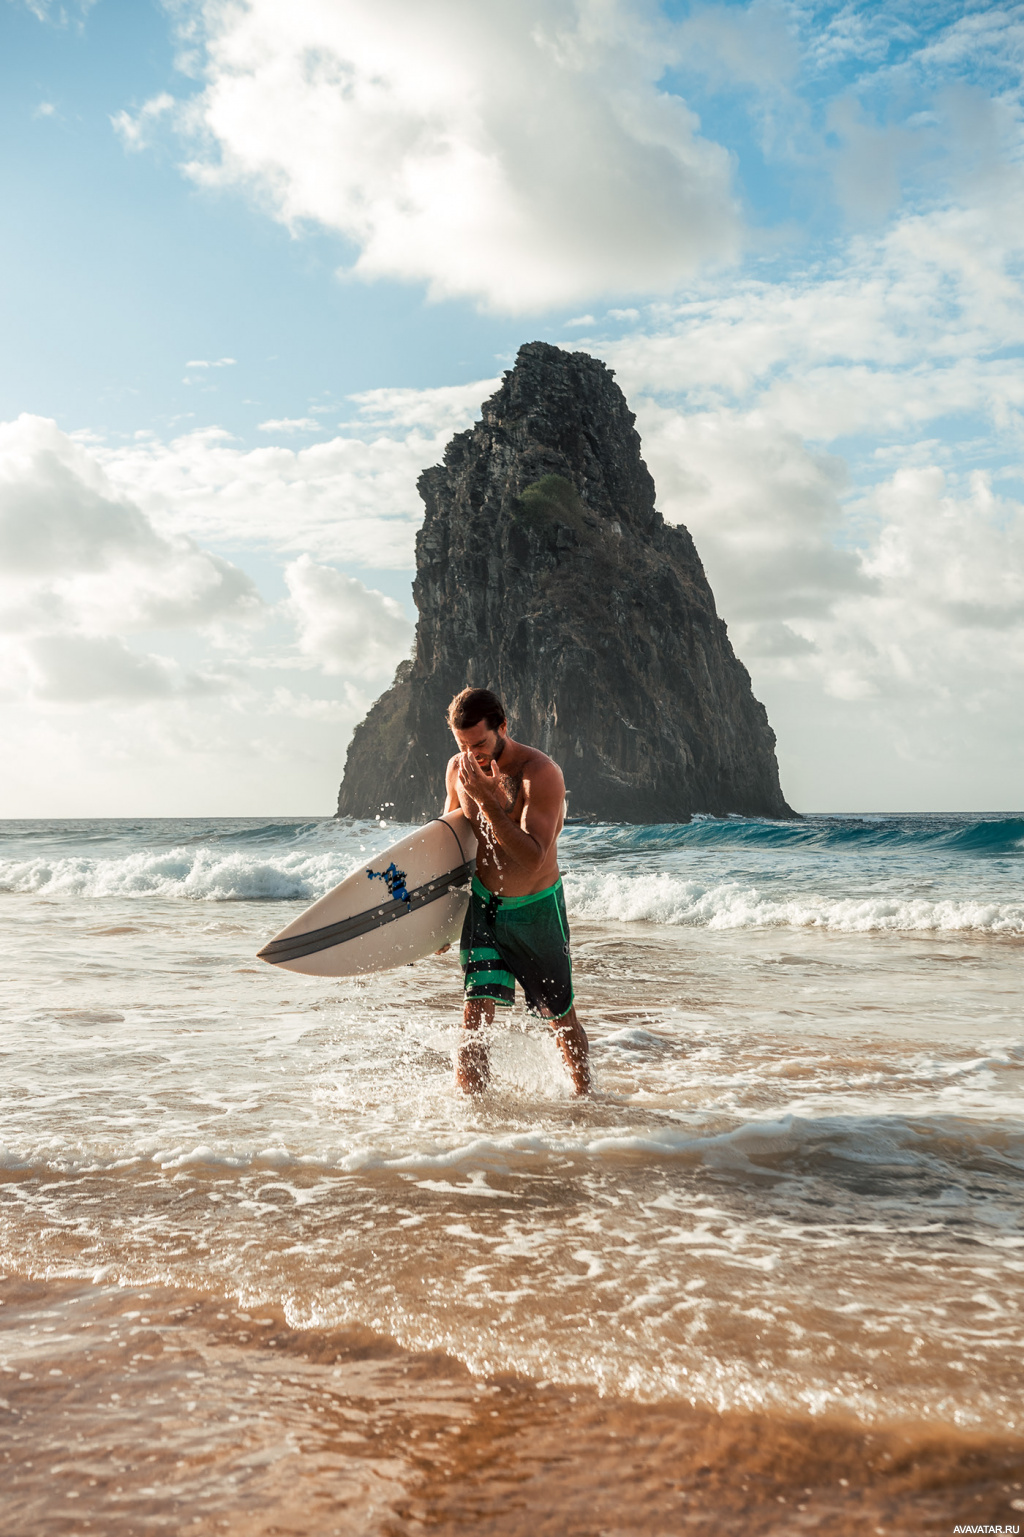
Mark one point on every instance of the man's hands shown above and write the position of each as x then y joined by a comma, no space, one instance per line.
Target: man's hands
480,785
482,793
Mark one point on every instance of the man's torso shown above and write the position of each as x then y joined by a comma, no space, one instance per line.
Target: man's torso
494,867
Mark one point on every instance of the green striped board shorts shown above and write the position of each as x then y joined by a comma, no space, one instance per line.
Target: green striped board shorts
518,939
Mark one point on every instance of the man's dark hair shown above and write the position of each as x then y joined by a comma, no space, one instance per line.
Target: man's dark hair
474,705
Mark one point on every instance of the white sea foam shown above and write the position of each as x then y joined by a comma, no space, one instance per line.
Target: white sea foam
669,899
901,1140
207,874
193,874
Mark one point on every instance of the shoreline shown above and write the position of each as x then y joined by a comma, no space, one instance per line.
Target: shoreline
148,1409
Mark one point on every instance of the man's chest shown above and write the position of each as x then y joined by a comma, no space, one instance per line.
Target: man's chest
511,799
510,791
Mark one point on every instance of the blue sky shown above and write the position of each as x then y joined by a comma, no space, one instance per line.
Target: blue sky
125,270
260,262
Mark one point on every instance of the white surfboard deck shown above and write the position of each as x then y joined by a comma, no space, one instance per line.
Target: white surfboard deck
404,904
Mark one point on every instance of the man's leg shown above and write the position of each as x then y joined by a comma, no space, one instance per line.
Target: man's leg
472,1073
575,1048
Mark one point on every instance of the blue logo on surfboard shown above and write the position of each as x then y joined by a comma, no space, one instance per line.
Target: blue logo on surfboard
395,879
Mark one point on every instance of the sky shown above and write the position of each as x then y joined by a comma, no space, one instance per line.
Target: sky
261,259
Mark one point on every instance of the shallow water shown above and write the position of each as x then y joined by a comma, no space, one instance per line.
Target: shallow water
131,1410
796,1192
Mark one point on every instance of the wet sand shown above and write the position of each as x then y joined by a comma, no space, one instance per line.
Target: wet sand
131,1410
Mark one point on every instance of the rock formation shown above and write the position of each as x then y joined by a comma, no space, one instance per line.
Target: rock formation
544,572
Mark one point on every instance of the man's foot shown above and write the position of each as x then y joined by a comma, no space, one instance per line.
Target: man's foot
472,1070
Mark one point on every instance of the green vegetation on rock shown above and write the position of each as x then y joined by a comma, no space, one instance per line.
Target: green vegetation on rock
553,499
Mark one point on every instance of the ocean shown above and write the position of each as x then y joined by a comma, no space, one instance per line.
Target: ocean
266,1270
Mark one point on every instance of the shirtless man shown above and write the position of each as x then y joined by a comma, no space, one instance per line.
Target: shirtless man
516,927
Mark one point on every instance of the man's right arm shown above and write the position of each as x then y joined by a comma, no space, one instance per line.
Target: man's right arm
451,780
451,803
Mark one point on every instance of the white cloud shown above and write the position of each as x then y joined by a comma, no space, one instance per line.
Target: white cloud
751,405
523,156
57,514
81,668
909,694
946,617
352,498
134,132
353,704
752,45
909,590
178,755
208,363
80,564
445,408
58,14
888,332
74,550
290,424
347,499
97,720
344,627
764,509
883,624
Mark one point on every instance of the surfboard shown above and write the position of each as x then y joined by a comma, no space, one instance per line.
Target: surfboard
405,904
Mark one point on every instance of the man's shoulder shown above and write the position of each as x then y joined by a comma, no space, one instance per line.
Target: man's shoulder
451,775
537,765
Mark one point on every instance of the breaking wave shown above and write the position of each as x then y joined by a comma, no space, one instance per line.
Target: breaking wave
856,874
663,898
203,874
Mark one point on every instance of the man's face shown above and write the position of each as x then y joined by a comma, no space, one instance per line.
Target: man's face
481,742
